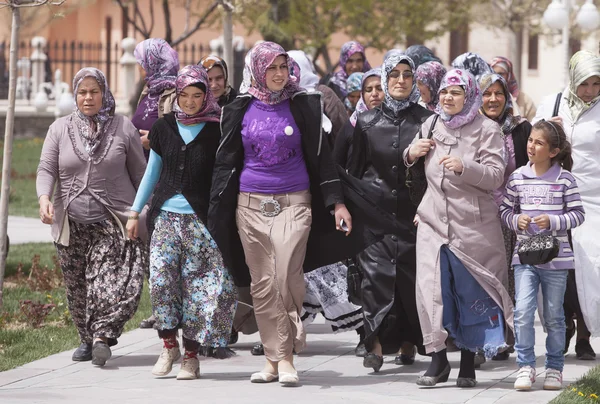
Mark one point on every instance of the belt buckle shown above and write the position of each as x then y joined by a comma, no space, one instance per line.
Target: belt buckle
269,202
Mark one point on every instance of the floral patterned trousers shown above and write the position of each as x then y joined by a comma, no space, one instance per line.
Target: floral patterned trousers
103,276
190,287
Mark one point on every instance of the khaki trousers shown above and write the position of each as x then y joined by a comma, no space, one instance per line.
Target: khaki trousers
274,240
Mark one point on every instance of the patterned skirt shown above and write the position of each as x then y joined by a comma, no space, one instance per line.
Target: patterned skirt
326,293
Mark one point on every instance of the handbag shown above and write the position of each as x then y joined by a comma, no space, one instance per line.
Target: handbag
416,181
539,249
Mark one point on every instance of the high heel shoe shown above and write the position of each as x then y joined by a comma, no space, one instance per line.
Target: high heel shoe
431,381
373,361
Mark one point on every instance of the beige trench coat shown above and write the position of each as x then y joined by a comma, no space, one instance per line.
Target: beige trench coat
459,211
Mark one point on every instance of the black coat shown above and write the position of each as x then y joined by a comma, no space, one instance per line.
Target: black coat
326,245
520,134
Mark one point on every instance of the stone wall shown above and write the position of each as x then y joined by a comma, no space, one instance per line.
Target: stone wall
28,126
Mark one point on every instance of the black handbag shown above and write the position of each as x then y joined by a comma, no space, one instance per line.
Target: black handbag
416,181
539,249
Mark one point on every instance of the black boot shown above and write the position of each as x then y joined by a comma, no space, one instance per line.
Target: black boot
258,350
438,371
83,353
466,375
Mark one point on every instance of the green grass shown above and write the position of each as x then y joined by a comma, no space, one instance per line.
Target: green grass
20,344
25,159
584,390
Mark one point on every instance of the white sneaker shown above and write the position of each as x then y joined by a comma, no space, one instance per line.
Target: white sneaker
525,378
553,380
190,369
164,364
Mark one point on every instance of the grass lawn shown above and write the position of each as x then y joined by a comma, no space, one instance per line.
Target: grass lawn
25,159
19,342
584,390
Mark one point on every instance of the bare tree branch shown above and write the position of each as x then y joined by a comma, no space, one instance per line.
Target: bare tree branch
29,3
167,15
186,34
142,30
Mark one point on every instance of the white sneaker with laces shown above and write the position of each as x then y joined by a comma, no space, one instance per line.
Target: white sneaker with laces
164,364
553,380
190,369
525,378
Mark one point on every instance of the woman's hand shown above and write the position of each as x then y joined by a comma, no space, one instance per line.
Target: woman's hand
341,213
46,210
144,139
542,221
556,119
132,225
452,163
523,221
416,220
419,149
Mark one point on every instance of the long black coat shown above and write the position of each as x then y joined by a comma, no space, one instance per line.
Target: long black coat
326,245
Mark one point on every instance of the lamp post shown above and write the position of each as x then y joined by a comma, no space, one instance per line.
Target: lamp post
557,16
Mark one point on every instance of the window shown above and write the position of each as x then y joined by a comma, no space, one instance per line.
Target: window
459,41
534,41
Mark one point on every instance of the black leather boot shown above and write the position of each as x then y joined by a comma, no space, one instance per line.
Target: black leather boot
83,353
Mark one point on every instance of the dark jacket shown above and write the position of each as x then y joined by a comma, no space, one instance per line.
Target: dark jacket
326,245
520,134
227,98
334,109
187,169
342,149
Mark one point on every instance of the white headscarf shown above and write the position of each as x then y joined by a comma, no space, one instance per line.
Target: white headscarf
308,78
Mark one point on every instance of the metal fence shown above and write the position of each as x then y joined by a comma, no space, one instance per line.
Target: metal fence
69,57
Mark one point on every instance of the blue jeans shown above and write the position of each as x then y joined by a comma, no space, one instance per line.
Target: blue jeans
528,279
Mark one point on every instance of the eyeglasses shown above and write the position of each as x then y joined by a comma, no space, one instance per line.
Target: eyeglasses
395,74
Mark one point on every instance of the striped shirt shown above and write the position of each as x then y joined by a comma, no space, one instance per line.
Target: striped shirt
555,194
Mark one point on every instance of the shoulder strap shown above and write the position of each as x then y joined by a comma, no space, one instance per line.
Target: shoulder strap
430,134
557,105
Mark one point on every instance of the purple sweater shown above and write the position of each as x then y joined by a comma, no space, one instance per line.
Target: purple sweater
554,193
273,159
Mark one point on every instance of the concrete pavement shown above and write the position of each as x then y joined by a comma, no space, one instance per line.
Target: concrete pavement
28,230
329,373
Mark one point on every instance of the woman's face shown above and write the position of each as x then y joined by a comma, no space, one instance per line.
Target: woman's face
216,79
494,101
278,74
353,97
501,72
89,96
400,81
452,99
425,93
372,93
191,100
355,63
589,89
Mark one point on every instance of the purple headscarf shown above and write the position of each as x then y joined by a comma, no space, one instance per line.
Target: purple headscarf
389,63
360,105
473,63
93,128
210,111
161,64
340,77
431,74
263,56
473,101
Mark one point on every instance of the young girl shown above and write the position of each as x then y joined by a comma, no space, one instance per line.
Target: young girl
542,197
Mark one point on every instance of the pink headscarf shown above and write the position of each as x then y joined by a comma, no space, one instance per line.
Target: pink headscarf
210,111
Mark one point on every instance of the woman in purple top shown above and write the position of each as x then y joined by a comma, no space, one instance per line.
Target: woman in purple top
274,174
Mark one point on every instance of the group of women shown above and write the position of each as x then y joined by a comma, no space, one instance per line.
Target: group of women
278,190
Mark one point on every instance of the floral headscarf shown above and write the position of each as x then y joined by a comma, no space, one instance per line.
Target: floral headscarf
507,120
582,66
263,56
473,101
161,64
208,62
388,65
353,84
92,129
507,66
431,75
210,111
473,63
348,49
308,79
421,54
247,74
361,106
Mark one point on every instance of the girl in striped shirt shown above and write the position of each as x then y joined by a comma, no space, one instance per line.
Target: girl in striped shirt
542,197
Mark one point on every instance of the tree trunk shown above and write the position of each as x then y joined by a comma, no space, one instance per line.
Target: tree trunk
168,28
516,52
228,41
8,143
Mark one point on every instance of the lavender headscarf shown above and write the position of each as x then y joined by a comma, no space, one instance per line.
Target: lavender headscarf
473,63
210,111
263,55
473,101
93,128
340,77
161,64
388,65
431,74
361,106
507,120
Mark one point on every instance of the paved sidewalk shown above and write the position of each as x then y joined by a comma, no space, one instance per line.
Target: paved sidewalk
329,373
28,230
